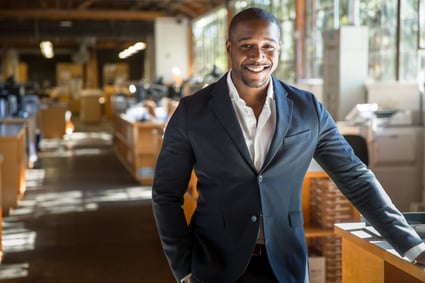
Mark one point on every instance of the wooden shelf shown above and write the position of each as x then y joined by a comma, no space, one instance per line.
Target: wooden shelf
312,231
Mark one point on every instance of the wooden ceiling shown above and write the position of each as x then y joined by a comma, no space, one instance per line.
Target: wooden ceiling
23,23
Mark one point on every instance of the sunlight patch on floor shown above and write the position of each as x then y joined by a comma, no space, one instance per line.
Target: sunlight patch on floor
10,271
79,201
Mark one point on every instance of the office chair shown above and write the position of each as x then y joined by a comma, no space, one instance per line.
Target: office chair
359,145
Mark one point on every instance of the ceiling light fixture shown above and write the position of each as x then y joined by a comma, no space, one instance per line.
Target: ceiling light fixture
46,48
65,24
132,50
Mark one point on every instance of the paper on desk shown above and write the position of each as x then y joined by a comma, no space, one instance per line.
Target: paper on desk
386,246
361,234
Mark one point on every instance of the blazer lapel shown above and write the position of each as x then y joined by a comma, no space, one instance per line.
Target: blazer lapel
284,108
222,106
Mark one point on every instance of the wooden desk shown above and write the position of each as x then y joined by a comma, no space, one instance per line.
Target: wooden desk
1,215
366,262
13,149
53,120
31,137
90,107
137,145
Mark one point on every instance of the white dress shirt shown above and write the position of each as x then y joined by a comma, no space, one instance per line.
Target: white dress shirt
258,135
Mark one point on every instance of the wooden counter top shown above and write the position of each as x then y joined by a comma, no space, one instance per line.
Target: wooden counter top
368,258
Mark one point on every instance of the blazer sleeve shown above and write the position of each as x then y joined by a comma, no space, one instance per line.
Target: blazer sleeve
172,174
360,185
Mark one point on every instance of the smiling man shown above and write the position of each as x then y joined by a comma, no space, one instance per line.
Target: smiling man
250,139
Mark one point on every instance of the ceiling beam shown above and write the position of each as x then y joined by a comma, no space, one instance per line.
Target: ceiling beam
61,14
85,4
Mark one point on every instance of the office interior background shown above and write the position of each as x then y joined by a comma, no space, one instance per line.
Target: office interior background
119,68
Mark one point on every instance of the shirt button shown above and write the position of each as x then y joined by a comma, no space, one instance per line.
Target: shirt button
254,218
260,178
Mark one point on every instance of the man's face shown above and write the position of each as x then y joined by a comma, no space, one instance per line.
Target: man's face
254,49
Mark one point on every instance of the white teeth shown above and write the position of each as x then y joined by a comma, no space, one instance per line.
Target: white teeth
255,68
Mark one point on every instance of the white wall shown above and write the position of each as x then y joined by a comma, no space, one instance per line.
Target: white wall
171,47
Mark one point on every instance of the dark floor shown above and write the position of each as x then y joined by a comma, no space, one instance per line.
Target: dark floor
82,219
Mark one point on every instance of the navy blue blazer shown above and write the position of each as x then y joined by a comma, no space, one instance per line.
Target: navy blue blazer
204,134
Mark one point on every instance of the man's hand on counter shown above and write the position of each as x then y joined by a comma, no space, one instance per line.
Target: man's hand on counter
420,259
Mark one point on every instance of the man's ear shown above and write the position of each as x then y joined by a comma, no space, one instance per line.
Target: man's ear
228,46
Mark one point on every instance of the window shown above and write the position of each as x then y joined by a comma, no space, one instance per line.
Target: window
393,36
409,40
209,43
392,56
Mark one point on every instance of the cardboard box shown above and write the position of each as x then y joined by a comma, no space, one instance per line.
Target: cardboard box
317,269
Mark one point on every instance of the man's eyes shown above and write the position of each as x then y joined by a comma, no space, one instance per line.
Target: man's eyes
264,47
269,47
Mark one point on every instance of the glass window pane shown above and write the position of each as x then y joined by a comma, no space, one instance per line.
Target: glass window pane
209,43
408,40
378,15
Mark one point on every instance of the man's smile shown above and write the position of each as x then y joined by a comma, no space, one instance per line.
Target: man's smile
257,68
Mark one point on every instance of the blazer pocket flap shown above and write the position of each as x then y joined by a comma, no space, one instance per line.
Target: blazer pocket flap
304,136
296,219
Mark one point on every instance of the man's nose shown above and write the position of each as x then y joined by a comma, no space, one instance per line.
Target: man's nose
256,53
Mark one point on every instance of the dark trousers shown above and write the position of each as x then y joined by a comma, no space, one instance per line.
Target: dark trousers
258,271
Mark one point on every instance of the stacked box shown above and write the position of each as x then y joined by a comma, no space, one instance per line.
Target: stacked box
317,269
330,249
328,204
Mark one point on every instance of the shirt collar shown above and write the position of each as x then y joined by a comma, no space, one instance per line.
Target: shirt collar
234,92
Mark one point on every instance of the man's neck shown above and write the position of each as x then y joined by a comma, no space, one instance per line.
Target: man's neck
253,97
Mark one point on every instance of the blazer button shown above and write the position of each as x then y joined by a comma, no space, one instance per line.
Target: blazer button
254,218
260,178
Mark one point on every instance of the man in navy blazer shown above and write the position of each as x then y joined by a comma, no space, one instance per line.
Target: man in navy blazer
250,139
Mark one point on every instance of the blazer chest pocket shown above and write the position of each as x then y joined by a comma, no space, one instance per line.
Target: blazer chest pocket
299,137
295,219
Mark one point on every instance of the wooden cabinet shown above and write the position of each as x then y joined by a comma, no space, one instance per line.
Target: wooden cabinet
13,149
366,259
137,145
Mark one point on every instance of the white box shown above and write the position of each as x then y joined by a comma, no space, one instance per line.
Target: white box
317,269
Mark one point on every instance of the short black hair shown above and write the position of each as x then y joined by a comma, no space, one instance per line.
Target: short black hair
252,13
